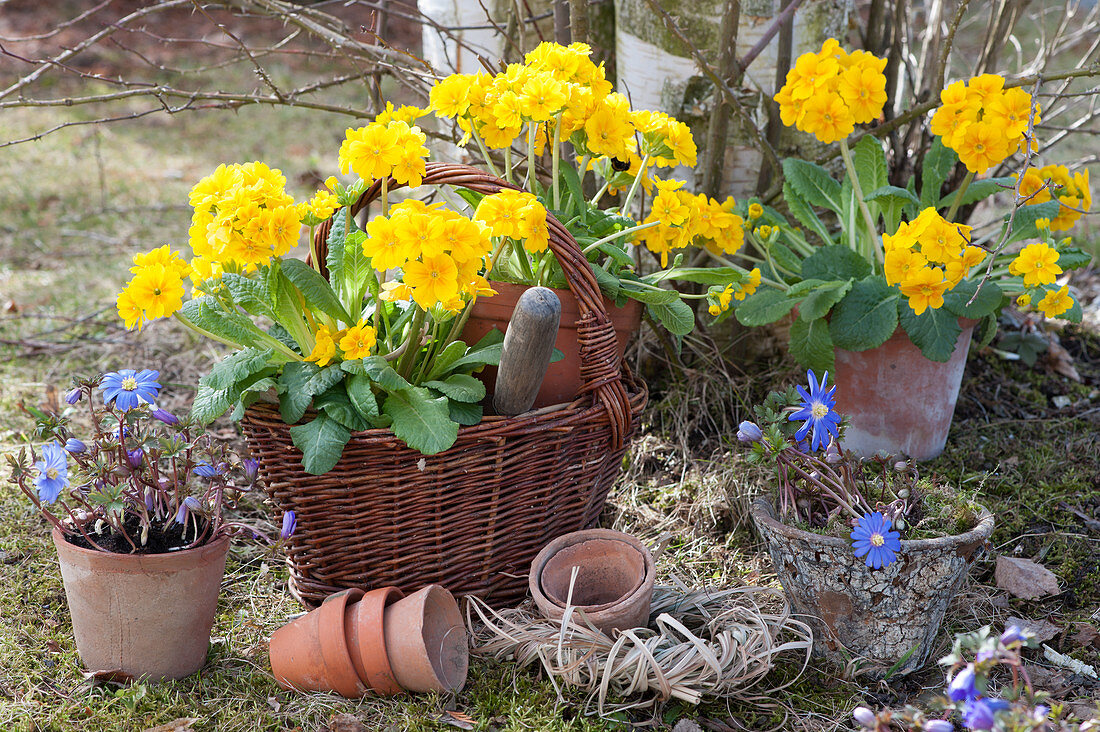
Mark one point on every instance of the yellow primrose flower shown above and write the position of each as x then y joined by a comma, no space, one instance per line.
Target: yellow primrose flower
281,226
1056,302
395,291
925,289
162,255
827,118
749,286
669,209
543,97
1038,263
755,210
385,249
503,211
357,341
863,90
129,310
369,151
433,280
157,290
1023,300
324,347
901,263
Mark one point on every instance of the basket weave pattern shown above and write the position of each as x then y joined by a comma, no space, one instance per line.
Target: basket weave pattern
473,517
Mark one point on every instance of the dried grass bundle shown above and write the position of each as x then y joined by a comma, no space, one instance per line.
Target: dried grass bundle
714,643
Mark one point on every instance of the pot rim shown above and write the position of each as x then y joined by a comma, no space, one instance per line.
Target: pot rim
763,511
61,543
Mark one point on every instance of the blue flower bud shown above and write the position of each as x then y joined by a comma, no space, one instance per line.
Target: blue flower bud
749,432
74,446
166,417
939,725
74,396
192,503
251,469
135,456
290,522
206,470
981,714
1012,634
149,500
181,515
865,717
962,687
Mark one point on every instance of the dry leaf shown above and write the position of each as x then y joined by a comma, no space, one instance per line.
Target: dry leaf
1059,361
457,719
1085,634
108,676
183,724
345,723
1041,629
1024,578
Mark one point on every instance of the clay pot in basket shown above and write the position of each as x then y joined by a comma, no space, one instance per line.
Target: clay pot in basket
147,615
470,518
379,640
888,617
563,378
614,584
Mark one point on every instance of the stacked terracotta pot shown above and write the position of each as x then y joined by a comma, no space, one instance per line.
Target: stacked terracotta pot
379,640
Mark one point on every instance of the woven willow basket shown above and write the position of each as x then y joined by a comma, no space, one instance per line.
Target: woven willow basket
473,517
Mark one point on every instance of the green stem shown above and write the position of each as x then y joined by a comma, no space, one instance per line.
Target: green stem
617,234
634,187
529,184
524,262
508,163
385,198
429,353
412,342
959,195
583,168
484,152
554,161
876,246
599,193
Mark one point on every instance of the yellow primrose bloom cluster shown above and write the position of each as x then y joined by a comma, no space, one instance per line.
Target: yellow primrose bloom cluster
684,219
517,215
927,257
440,254
558,93
720,301
156,289
1037,264
1073,192
242,218
982,121
829,92
353,343
385,148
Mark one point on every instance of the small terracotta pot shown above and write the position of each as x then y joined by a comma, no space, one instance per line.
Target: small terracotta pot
426,641
563,381
898,401
363,623
147,615
614,584
311,653
880,615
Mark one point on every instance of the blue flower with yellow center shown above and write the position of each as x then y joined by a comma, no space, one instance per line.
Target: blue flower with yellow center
816,409
53,472
128,388
872,537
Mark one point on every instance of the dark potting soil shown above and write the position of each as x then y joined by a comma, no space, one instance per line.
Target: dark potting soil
163,538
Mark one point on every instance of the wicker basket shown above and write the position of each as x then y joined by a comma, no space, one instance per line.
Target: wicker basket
473,517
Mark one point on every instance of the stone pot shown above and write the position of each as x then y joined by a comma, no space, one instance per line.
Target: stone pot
898,401
147,615
614,584
882,616
563,378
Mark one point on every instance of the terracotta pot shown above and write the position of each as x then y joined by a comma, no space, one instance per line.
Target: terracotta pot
879,615
614,584
363,622
563,378
147,615
898,401
311,653
426,641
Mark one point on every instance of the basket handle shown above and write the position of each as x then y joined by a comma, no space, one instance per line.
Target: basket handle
600,363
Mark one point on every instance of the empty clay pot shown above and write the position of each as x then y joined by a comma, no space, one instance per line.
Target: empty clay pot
363,622
614,583
426,641
311,653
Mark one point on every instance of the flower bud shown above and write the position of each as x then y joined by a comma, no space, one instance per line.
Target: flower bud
206,470
135,456
865,717
903,493
192,503
74,396
167,417
749,432
251,469
939,725
74,446
290,522
901,466
1012,634
150,503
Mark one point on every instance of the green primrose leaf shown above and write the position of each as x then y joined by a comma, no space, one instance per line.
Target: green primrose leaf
811,344
979,190
321,441
294,397
814,184
209,404
677,316
459,388
989,300
821,299
237,366
870,163
423,422
939,161
337,404
362,396
763,307
866,317
935,331
805,214
315,289
835,262
464,413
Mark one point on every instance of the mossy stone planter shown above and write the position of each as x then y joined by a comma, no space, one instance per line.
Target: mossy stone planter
882,616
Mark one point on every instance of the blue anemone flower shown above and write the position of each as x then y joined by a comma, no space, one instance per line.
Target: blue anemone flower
128,388
53,472
817,408
872,536
206,470
981,714
963,686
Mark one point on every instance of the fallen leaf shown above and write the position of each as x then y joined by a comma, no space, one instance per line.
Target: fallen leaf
1085,634
346,723
457,719
274,703
1024,578
183,724
687,725
1059,361
108,676
1041,629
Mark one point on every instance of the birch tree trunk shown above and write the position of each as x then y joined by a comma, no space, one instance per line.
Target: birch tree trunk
656,70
